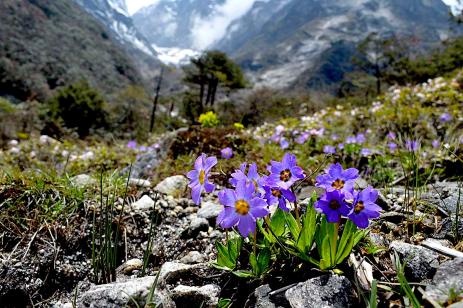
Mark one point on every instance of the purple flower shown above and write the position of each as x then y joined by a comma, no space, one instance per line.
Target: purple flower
199,177
283,174
278,196
351,140
333,205
252,176
338,179
132,144
226,153
445,117
360,138
242,208
436,143
365,152
411,145
275,138
142,148
341,146
302,138
364,207
284,144
391,135
329,149
334,137
392,146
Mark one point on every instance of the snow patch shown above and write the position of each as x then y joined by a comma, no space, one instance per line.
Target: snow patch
175,56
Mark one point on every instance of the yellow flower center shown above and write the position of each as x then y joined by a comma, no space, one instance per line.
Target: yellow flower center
338,184
276,193
202,176
285,175
242,207
359,207
334,205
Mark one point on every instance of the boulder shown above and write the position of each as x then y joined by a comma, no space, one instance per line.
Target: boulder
324,291
420,263
448,279
174,186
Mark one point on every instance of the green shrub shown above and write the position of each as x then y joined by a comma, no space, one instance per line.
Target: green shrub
80,107
209,119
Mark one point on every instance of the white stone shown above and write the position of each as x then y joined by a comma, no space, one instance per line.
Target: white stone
145,203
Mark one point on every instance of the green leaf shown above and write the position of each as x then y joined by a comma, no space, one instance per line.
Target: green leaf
347,235
263,261
277,224
373,303
309,226
243,274
347,250
292,225
223,257
253,262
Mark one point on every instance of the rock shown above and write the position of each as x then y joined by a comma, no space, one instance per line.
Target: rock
324,291
83,180
190,296
172,273
447,228
173,186
149,161
448,277
306,191
145,203
121,294
361,183
210,210
421,263
131,265
197,225
139,182
262,298
193,257
450,203
383,202
392,216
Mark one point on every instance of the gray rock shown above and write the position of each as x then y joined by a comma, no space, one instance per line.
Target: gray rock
172,273
83,180
145,203
173,186
447,228
197,225
139,182
361,183
262,297
210,210
190,296
324,291
451,202
421,263
131,265
449,276
193,257
148,162
120,294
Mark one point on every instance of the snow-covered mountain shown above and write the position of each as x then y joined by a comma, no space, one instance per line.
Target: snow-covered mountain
286,42
114,15
310,42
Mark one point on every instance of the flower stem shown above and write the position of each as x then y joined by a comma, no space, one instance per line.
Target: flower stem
255,243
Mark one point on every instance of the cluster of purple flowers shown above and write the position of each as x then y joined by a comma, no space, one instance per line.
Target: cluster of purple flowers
341,199
252,194
132,144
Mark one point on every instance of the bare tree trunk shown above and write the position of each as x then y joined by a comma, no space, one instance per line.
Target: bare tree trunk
156,98
215,83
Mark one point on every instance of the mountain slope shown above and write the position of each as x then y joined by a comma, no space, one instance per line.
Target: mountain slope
45,44
290,44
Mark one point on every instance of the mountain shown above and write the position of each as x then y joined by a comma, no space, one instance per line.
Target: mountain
291,43
113,15
171,23
309,43
45,44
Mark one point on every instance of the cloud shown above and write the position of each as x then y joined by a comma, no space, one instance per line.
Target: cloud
207,31
134,5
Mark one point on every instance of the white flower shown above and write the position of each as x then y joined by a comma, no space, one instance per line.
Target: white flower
13,142
15,150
